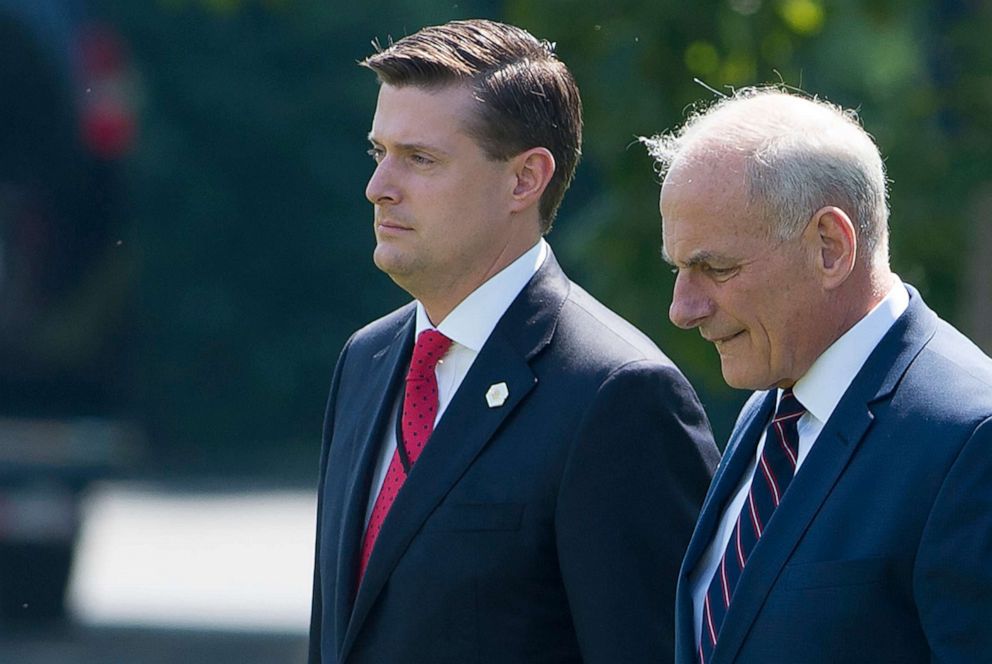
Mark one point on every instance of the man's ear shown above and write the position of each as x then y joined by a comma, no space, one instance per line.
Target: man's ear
836,243
533,169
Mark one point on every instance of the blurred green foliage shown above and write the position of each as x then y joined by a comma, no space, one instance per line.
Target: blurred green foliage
254,232
919,72
249,214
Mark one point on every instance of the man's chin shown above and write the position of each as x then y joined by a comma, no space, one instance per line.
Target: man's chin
739,378
396,266
387,259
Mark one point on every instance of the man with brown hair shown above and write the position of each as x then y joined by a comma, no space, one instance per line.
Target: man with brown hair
510,472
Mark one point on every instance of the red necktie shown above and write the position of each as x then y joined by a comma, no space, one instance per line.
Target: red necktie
772,477
417,423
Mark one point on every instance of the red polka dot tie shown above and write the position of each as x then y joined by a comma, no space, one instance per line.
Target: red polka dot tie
419,411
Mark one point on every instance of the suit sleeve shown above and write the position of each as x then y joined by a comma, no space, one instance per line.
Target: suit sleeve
628,502
316,610
952,576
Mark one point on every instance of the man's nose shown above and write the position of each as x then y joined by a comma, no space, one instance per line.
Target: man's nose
381,187
690,305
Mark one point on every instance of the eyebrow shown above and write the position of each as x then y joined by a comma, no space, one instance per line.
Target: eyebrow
696,259
411,147
665,257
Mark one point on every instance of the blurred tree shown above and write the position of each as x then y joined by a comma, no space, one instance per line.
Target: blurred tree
250,215
962,69
919,72
248,181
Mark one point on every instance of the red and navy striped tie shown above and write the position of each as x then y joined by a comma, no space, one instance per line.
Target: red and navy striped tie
772,475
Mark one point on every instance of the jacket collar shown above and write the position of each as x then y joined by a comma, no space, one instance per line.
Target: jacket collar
842,434
467,426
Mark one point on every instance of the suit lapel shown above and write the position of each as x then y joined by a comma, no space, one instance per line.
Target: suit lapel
738,454
843,433
817,476
385,372
467,425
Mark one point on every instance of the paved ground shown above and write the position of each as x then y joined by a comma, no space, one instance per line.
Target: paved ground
167,574
116,645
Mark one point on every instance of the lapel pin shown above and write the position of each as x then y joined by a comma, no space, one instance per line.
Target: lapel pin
497,394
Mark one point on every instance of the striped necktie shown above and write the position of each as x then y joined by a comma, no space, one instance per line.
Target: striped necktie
772,475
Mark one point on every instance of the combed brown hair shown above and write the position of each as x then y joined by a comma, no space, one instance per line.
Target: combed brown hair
527,97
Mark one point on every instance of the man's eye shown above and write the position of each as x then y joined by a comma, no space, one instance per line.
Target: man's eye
376,154
721,273
421,160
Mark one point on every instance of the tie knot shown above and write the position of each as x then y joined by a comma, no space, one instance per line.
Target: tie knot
430,348
789,406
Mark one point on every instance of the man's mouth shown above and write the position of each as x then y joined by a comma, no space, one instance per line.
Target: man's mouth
391,225
718,341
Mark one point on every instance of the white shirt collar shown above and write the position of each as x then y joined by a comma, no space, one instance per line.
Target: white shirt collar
472,321
821,389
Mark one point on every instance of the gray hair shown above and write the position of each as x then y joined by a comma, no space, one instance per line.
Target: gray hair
800,154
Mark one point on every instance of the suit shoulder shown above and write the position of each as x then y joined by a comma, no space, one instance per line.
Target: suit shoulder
588,322
950,381
955,363
372,336
962,356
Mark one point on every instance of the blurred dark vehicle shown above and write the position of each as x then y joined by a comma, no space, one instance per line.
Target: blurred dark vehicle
66,122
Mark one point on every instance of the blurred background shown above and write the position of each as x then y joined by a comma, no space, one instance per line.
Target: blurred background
185,246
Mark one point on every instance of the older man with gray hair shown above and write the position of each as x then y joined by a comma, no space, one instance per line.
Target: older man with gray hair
850,519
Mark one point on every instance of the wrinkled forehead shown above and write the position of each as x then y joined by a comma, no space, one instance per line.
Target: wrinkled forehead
706,209
704,180
709,154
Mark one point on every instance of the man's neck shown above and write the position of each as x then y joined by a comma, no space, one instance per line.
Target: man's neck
471,322
443,299
860,296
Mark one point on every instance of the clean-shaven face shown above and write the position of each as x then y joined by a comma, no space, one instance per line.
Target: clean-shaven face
441,204
753,296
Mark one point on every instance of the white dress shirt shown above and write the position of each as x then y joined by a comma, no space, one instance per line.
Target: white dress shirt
468,326
819,390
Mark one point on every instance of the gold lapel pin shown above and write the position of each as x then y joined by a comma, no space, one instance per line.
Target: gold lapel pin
497,394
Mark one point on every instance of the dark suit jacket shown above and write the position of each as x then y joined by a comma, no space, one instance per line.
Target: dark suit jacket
549,529
880,550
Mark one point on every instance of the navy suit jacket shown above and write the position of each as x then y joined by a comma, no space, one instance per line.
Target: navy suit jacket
548,529
881,549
